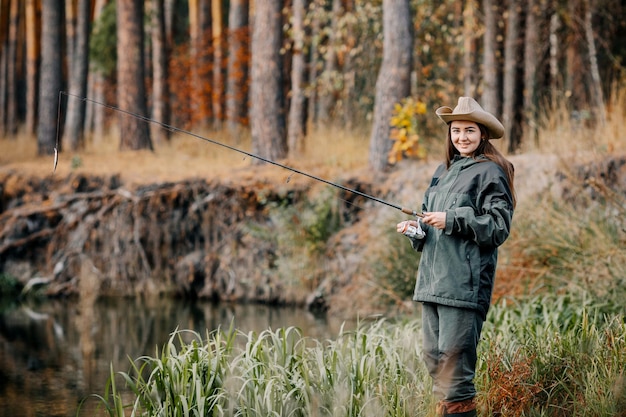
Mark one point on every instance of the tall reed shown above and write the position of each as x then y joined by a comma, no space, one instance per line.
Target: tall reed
370,371
544,356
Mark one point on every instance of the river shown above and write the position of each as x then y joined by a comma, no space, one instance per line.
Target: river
54,354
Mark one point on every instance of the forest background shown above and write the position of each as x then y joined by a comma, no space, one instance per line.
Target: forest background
291,81
345,89
206,64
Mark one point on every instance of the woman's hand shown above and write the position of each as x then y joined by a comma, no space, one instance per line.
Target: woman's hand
436,219
402,226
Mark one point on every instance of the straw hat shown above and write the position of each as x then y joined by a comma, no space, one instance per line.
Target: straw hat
468,109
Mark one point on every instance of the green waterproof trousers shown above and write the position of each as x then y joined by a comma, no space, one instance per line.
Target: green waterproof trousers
451,335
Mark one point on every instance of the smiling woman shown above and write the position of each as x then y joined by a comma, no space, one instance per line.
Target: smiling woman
468,210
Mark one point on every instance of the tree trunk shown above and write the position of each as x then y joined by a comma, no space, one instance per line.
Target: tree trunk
200,23
267,118
4,31
575,69
597,97
297,108
32,63
469,49
79,69
350,71
94,113
531,60
314,58
238,58
160,86
327,95
70,29
217,96
50,81
11,91
555,25
490,99
393,83
168,11
131,91
510,76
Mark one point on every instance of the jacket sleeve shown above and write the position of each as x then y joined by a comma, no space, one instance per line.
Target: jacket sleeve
490,223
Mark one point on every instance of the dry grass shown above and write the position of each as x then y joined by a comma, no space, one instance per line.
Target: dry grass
561,132
329,151
185,156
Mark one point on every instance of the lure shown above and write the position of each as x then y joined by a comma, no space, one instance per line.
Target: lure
56,160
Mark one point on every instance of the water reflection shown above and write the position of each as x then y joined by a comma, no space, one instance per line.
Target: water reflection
53,354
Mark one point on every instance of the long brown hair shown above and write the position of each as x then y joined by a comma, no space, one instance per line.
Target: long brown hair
487,149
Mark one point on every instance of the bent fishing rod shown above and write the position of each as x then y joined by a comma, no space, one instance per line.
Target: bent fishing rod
232,148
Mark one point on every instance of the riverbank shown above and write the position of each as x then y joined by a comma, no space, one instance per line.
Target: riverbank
249,233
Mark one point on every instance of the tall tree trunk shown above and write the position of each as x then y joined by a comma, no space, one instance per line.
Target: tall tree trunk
531,60
238,58
14,22
469,49
168,10
32,63
4,32
490,99
50,81
296,130
393,83
314,62
131,91
217,96
511,48
94,114
79,69
160,86
555,25
327,96
267,117
597,97
350,92
575,68
70,29
200,24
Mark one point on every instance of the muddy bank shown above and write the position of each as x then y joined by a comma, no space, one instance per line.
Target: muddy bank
189,239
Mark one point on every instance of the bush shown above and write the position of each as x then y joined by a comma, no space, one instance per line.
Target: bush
553,356
573,244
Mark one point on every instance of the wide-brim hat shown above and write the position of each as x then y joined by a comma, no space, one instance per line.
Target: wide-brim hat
468,109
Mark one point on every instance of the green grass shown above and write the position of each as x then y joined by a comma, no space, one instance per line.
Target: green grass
547,356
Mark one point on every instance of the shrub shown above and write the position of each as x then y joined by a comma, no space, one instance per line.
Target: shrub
553,356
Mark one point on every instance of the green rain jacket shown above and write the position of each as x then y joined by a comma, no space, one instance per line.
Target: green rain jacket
458,264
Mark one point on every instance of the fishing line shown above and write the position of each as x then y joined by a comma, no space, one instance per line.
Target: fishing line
232,148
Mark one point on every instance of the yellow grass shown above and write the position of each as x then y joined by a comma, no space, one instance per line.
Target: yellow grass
185,156
329,151
561,134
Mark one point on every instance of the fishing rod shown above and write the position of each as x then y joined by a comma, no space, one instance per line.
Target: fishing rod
232,148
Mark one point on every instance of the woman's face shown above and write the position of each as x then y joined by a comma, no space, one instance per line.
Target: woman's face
465,136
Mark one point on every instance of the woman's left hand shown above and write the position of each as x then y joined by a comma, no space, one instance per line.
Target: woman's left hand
436,219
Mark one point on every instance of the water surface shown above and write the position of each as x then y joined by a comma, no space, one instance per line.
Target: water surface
53,354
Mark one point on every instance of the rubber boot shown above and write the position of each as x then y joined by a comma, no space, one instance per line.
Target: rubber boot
465,408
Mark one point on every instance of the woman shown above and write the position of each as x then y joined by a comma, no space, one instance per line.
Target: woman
467,211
